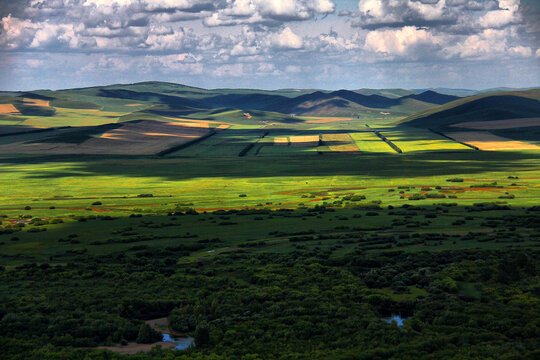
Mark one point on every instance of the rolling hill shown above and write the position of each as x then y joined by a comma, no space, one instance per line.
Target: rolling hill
490,107
158,97
512,115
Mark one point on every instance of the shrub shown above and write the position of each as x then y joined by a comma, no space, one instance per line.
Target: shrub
202,334
147,335
435,196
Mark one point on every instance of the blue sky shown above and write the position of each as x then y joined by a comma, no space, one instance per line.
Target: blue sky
270,44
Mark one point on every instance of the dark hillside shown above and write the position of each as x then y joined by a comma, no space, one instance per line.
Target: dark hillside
486,108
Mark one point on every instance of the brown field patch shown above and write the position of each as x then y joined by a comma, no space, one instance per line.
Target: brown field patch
36,102
336,137
484,140
281,141
339,142
8,109
499,124
200,124
141,137
133,104
310,140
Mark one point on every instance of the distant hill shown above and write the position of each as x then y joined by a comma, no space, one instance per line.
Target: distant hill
487,107
389,93
150,98
432,97
449,91
343,102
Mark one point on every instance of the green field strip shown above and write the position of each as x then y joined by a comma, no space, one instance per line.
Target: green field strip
389,142
286,150
411,140
370,143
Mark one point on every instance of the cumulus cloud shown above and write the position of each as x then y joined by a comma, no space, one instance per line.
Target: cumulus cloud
506,14
286,39
406,41
168,38
490,43
16,32
333,43
268,11
274,38
522,51
374,14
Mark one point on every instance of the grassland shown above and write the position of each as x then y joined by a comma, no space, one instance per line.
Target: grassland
418,140
267,236
368,142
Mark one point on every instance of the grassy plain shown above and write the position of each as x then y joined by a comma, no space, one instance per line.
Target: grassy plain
68,189
253,248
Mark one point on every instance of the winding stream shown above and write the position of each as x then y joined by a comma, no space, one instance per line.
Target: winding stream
182,343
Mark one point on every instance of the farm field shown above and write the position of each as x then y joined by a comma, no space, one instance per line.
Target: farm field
415,140
484,140
368,142
73,117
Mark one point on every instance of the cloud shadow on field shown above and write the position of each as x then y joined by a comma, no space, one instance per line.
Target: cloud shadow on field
374,166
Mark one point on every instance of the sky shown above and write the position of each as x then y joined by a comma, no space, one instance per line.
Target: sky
271,44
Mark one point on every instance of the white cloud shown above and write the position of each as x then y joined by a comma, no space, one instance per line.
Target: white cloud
505,15
380,13
177,63
429,11
333,42
149,5
286,39
402,42
372,8
522,51
169,39
16,32
268,11
240,50
34,63
234,70
225,38
487,44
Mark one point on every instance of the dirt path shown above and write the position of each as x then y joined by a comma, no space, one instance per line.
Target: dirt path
134,348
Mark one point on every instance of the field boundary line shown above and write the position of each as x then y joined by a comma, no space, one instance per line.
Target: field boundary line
386,140
186,144
252,145
451,138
